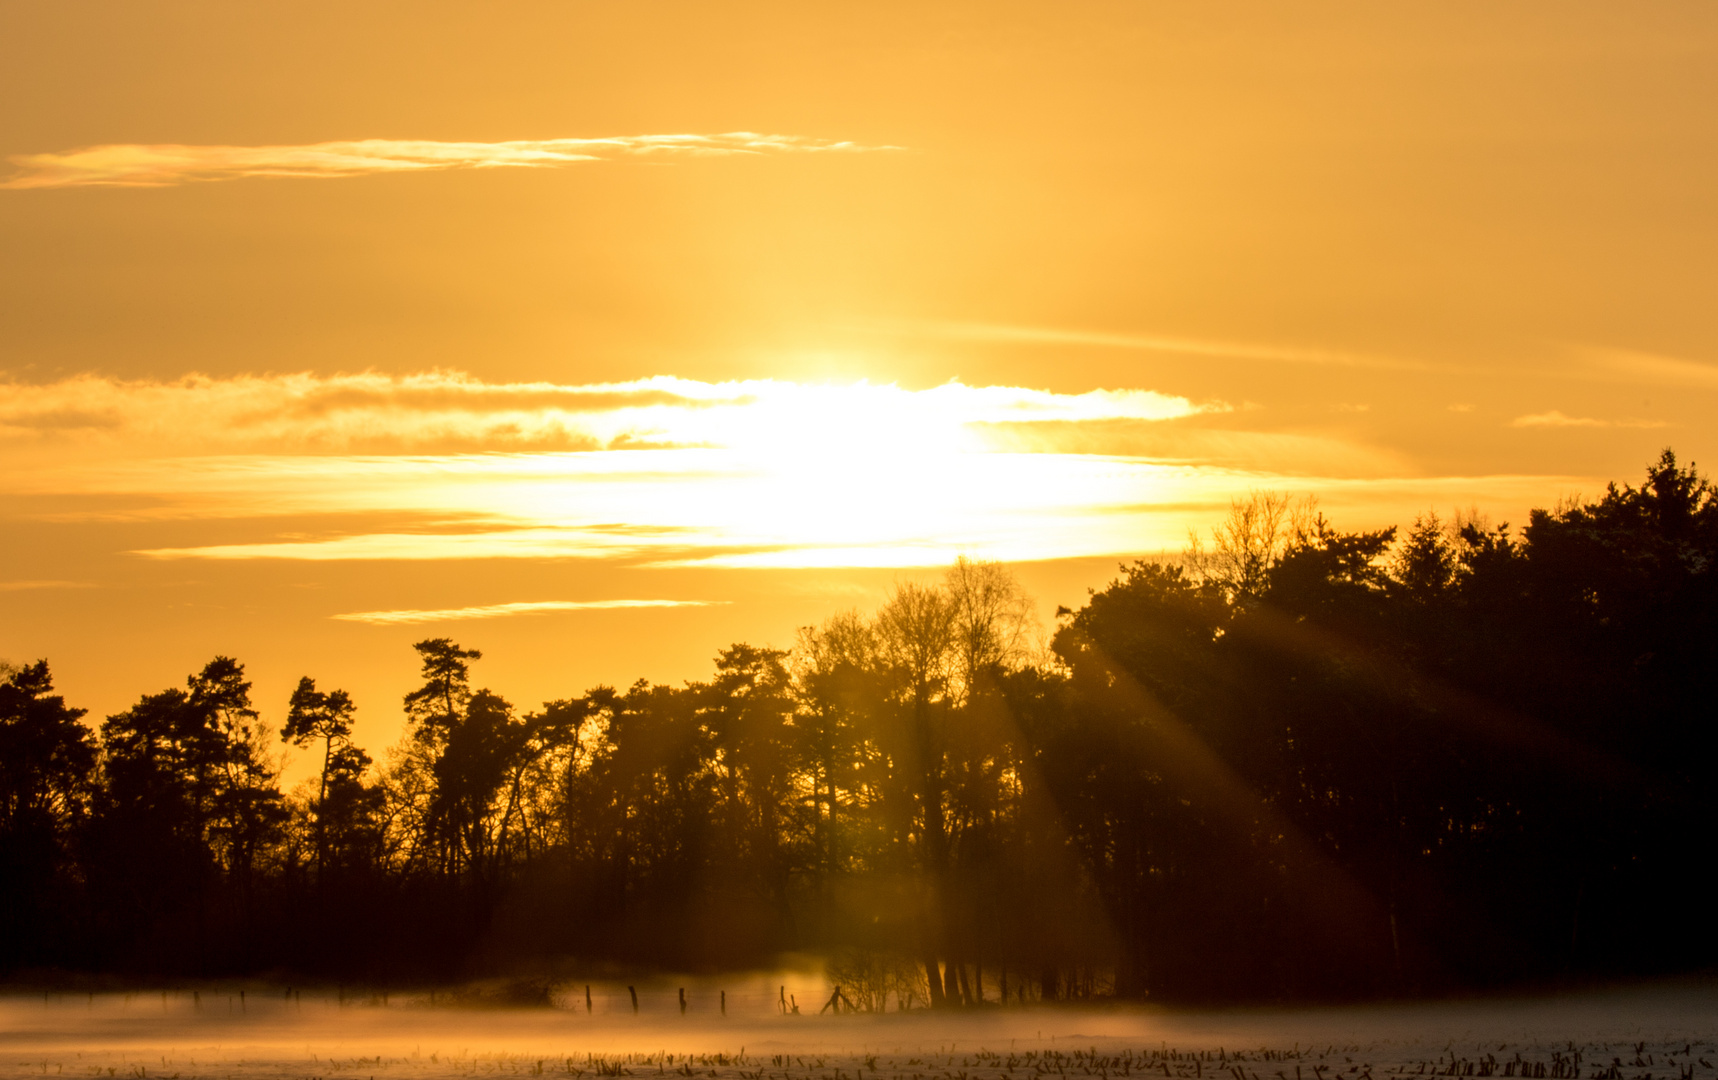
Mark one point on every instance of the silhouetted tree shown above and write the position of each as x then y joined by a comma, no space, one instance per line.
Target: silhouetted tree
311,715
47,759
188,800
749,709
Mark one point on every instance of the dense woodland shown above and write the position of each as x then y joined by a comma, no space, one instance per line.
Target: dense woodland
1294,763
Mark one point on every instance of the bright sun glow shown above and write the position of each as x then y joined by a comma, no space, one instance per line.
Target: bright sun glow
659,471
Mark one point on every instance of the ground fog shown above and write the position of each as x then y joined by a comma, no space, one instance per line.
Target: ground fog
1659,1033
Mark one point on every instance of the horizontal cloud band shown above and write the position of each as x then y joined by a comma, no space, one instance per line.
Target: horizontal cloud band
1556,419
451,411
1228,350
410,616
163,165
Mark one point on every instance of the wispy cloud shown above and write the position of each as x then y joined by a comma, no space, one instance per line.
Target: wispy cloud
407,616
443,410
1232,350
20,586
1627,365
164,165
1556,419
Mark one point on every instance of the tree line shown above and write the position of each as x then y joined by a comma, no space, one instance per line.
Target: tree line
1293,763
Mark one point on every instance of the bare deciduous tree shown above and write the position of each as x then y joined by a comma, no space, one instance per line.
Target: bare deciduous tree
993,622
1256,533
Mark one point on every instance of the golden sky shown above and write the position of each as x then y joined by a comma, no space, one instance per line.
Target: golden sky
601,336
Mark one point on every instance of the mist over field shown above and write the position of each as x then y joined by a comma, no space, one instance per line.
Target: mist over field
1627,1034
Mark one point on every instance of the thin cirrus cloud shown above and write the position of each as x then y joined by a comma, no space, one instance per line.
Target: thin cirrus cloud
443,466
1184,346
454,411
1629,365
168,164
1556,419
23,586
412,616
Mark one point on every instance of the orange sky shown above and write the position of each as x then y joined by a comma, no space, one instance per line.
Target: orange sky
325,327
